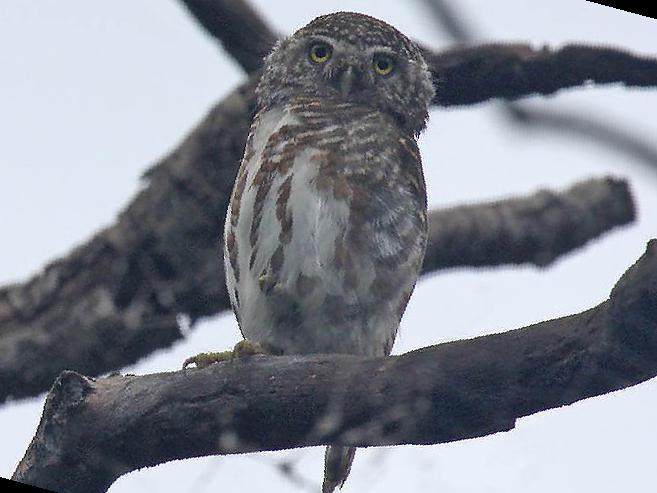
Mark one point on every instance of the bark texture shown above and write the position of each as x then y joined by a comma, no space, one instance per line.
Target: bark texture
536,229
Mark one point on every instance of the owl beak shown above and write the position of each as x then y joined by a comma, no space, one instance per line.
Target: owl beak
346,81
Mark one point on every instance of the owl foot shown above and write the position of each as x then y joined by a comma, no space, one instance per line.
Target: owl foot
242,349
246,348
202,360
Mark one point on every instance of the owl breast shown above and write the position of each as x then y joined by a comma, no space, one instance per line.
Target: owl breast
326,229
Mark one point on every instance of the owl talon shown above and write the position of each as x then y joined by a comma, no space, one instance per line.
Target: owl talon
242,349
203,360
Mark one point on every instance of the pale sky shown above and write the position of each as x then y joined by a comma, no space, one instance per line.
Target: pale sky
93,92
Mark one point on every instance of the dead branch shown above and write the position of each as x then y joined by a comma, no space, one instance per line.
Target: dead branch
93,431
474,74
115,298
242,32
536,229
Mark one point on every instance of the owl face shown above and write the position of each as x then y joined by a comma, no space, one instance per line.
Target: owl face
354,58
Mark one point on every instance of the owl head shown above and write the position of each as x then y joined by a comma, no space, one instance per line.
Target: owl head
350,57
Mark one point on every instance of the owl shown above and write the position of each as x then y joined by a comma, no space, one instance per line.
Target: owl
327,224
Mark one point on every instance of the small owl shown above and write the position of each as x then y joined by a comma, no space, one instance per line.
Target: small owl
327,224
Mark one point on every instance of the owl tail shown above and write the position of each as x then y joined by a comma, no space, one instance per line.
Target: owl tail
337,464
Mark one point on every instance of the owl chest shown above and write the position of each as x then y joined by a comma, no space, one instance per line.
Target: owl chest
288,228
288,224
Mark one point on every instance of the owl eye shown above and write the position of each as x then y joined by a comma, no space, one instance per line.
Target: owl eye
383,64
320,53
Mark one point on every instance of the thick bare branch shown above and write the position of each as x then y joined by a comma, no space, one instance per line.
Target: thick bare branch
473,74
535,229
240,29
116,298
93,431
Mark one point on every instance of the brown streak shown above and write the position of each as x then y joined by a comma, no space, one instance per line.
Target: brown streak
282,213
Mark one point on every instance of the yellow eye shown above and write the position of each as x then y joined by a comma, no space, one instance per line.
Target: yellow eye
383,64
320,52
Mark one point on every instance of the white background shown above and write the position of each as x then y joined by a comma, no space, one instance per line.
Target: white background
92,92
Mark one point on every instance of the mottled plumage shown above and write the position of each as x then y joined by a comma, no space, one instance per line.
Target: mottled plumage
326,229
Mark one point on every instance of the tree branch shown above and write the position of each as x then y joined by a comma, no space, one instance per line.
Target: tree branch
93,431
115,298
240,29
474,74
536,229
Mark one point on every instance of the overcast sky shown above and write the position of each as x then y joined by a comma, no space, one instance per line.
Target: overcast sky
93,92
